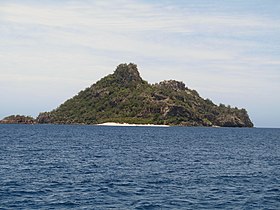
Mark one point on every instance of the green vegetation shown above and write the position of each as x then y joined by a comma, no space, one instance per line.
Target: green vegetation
125,97
18,119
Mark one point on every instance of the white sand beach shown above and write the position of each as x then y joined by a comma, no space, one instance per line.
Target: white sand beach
127,124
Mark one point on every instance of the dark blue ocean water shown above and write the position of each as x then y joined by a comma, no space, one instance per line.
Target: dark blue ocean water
99,167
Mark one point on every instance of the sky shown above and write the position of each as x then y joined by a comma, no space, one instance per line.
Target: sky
229,51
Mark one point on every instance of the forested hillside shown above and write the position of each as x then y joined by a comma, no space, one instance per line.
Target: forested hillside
124,97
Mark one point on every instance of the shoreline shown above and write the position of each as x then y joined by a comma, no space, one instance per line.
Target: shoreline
134,125
124,125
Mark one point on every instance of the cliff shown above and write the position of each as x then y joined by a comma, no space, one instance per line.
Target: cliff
125,97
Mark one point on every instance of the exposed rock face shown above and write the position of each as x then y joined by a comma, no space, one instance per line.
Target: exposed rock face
175,111
44,118
173,84
126,98
229,121
127,74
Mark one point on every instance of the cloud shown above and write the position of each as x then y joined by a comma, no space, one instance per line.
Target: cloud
214,47
126,28
126,16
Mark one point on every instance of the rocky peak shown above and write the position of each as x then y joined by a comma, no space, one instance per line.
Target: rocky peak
127,73
173,84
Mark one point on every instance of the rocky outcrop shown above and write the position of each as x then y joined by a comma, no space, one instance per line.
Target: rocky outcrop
127,75
44,118
173,84
18,119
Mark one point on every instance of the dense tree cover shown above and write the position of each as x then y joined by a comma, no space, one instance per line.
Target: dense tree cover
125,97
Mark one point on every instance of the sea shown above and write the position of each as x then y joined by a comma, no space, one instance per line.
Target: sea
107,167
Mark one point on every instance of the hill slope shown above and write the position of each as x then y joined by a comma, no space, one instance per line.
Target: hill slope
125,97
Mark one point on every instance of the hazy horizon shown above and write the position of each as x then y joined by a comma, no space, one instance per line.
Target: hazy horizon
226,50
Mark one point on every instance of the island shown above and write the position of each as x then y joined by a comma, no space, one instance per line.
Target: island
124,97
18,119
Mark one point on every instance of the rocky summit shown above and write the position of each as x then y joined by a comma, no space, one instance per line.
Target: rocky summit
124,97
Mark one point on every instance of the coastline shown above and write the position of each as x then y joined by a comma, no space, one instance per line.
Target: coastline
127,124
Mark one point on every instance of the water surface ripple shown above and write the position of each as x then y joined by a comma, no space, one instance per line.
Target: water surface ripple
99,167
